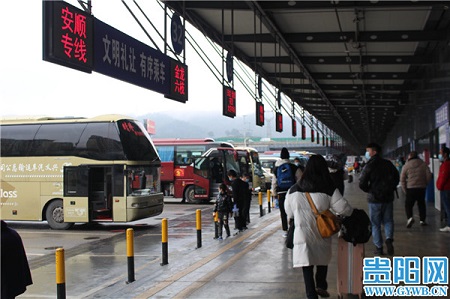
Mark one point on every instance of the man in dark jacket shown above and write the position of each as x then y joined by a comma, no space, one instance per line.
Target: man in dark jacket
379,179
16,275
239,191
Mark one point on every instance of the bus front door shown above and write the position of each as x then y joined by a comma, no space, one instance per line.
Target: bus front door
201,178
88,193
75,203
100,193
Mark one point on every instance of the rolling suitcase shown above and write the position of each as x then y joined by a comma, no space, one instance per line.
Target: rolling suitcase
349,268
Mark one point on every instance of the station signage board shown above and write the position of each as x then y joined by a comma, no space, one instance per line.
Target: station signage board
68,36
150,126
229,67
177,34
442,115
229,101
122,57
259,114
278,122
75,39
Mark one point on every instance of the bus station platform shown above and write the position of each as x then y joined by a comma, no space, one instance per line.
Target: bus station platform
252,264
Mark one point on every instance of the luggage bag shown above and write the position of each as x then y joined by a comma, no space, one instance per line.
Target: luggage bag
349,268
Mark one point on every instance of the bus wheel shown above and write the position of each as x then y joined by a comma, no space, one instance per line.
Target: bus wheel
55,215
189,195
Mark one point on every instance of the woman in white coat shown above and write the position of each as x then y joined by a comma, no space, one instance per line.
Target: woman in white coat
310,249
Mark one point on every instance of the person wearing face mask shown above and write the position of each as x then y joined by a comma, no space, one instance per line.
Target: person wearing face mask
298,163
379,179
443,184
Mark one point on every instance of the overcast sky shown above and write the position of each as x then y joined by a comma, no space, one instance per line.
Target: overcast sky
31,86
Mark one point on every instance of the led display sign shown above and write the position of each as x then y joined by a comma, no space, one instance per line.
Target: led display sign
229,102
131,127
259,114
67,36
294,128
303,132
278,122
179,81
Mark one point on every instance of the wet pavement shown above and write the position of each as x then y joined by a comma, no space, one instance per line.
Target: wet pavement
253,264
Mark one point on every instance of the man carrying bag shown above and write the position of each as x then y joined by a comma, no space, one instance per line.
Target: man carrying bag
286,174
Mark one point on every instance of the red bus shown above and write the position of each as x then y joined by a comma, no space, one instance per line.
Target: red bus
193,169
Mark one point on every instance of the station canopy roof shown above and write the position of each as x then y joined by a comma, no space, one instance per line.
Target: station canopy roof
352,64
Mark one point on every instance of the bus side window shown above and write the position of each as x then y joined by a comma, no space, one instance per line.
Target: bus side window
165,152
17,140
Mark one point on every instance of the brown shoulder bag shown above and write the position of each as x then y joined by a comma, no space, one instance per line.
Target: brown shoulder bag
327,223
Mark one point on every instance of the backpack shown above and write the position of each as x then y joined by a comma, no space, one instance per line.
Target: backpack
285,177
356,228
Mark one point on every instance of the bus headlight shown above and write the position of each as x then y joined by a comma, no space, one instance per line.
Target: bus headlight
139,205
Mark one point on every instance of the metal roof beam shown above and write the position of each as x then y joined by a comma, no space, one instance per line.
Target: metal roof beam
254,5
311,5
338,37
349,76
366,60
346,87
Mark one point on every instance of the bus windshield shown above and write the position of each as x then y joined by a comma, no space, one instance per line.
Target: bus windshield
136,141
142,180
231,162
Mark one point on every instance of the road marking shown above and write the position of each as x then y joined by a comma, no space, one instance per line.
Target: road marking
116,280
212,274
174,278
